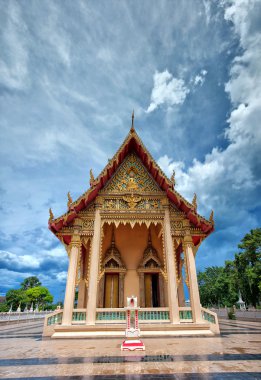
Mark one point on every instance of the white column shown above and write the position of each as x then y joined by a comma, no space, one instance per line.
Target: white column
172,277
192,278
93,271
71,278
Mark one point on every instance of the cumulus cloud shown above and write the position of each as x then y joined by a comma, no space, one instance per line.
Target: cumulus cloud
44,262
167,90
227,178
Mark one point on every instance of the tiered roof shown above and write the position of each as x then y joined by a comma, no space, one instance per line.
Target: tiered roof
131,144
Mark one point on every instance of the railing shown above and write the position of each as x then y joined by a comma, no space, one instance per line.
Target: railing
185,314
110,315
209,316
23,315
212,318
55,319
145,315
79,316
154,315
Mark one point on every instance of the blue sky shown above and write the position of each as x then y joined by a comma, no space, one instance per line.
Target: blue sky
71,72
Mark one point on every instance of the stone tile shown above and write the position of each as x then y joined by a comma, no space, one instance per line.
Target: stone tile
235,354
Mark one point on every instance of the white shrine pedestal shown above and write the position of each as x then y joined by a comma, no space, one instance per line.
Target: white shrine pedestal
132,327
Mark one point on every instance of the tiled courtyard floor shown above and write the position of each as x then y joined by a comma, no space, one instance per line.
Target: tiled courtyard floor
236,354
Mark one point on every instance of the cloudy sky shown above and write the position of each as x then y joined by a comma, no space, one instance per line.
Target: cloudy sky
71,72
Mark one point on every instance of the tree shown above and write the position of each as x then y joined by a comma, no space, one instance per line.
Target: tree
39,295
220,285
216,288
30,282
248,266
4,307
16,297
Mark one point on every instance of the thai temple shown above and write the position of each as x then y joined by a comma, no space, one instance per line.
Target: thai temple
131,234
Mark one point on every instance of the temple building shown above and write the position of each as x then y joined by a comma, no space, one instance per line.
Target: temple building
131,234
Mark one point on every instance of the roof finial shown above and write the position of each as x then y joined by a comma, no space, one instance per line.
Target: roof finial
51,217
194,202
211,217
91,178
132,122
172,178
70,201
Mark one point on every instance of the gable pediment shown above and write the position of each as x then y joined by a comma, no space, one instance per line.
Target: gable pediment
131,177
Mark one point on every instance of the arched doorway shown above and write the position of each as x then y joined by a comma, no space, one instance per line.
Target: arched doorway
114,271
150,277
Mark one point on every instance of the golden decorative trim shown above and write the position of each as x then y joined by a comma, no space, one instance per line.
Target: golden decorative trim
175,262
89,263
132,200
186,270
75,241
131,176
79,267
132,222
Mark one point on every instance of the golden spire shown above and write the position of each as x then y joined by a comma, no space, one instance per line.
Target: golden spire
70,201
132,122
91,178
194,202
51,217
211,217
172,178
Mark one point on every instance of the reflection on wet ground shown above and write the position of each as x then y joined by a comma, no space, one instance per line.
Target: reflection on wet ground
24,355
128,359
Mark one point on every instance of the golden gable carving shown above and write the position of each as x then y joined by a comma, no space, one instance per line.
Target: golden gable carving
132,177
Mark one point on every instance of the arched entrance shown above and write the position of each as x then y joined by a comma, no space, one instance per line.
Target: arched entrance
151,284
111,285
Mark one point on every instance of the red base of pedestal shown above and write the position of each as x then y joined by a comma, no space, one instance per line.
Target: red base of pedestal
132,345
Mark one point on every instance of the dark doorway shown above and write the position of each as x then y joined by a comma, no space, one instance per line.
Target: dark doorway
152,290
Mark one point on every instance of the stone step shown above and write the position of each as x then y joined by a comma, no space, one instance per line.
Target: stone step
114,330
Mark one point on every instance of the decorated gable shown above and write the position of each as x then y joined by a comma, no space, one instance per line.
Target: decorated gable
131,177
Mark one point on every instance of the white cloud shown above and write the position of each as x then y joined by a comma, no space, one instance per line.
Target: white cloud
200,78
167,90
14,54
207,6
54,32
11,261
61,276
226,178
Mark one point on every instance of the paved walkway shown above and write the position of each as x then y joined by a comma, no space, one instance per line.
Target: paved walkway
236,354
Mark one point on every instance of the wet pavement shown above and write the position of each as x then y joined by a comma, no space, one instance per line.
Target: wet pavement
236,354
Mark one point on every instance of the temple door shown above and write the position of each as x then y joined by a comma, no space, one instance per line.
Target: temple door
111,298
151,290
